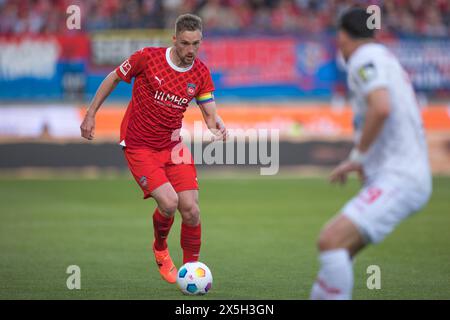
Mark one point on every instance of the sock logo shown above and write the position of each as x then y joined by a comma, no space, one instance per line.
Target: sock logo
327,288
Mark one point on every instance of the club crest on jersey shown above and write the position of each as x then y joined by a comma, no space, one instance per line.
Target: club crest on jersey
191,89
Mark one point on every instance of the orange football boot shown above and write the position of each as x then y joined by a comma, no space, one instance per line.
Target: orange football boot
165,264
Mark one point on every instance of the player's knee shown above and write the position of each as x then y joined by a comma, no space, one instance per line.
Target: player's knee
326,241
169,204
191,214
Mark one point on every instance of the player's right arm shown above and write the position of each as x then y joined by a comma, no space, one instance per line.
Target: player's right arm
129,69
378,110
372,81
106,87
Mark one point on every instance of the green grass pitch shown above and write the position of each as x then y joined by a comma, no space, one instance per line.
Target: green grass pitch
258,239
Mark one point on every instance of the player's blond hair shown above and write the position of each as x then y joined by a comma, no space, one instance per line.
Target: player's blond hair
188,22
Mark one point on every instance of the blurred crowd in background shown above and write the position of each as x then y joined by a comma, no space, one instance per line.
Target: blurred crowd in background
402,17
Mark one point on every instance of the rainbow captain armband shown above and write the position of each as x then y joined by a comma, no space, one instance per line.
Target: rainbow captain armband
205,98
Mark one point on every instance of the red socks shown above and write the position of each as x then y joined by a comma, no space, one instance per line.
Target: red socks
190,236
161,226
190,242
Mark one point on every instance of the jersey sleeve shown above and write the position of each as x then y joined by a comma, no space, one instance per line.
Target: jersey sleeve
131,67
205,94
370,74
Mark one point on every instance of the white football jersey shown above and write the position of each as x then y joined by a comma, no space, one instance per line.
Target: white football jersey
401,145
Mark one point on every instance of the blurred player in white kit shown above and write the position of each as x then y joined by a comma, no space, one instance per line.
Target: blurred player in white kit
389,154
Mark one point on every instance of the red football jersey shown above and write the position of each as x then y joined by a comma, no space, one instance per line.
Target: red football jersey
161,93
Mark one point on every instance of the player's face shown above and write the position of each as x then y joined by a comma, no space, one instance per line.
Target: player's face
186,45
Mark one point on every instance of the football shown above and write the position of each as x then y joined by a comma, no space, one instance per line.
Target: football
194,278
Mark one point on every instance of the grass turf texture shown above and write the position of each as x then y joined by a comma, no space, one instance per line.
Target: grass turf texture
258,239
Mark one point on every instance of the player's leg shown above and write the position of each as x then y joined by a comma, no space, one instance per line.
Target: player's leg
341,232
163,218
183,177
367,218
148,171
338,242
191,229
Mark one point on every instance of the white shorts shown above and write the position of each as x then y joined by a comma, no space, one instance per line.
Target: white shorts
383,203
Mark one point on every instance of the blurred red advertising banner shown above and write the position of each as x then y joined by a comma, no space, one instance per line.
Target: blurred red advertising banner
42,67
74,47
65,46
252,60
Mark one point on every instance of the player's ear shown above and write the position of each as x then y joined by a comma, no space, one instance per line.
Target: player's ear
174,39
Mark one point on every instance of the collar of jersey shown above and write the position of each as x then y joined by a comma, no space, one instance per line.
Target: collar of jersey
173,66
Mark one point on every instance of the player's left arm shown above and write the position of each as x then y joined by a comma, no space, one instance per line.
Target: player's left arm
213,121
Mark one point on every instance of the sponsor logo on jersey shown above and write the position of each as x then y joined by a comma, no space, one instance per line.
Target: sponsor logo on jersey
173,98
191,89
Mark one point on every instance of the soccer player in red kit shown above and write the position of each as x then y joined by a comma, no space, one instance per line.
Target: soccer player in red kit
166,80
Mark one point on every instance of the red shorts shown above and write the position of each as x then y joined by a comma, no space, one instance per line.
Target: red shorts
152,169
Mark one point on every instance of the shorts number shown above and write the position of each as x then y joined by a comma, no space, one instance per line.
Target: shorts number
371,195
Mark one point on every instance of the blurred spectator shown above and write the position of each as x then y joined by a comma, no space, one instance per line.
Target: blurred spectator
406,17
217,16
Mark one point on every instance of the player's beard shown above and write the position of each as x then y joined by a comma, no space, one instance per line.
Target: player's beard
187,61
184,59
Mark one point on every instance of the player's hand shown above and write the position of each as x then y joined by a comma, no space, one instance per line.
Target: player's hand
88,127
221,133
340,173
